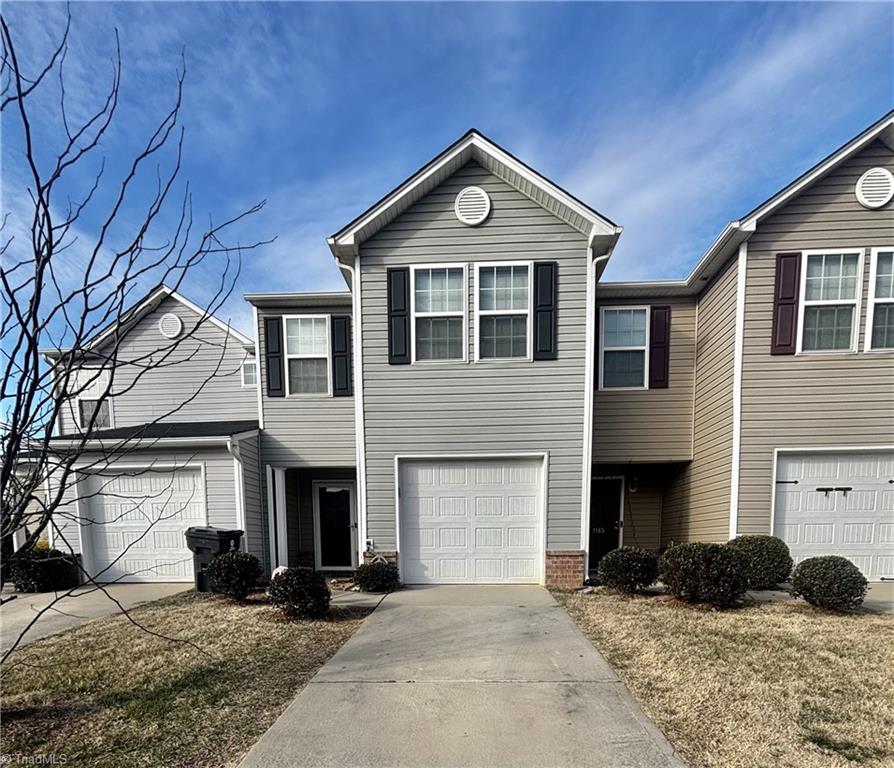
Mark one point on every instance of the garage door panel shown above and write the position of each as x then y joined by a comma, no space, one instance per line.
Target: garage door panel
138,524
486,526
855,521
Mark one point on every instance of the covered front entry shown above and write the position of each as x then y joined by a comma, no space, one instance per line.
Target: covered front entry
838,503
335,526
606,513
476,521
136,521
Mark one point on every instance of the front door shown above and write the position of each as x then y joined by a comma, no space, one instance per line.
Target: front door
605,517
335,527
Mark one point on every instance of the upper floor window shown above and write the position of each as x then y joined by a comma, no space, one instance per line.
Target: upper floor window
623,359
830,293
438,313
504,311
91,391
880,312
249,373
307,355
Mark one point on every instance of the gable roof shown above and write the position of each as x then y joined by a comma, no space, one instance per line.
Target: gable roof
738,231
472,146
142,308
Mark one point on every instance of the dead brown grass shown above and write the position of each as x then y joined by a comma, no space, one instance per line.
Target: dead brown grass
109,694
766,685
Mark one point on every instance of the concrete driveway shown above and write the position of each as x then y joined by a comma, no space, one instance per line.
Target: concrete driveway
464,676
81,606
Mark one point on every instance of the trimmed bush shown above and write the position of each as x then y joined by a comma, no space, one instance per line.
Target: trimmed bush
300,593
768,560
377,577
628,569
43,570
233,574
829,582
705,573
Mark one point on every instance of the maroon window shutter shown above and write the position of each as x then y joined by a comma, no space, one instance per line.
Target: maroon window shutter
659,348
785,304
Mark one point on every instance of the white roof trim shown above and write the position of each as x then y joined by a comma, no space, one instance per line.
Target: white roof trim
474,140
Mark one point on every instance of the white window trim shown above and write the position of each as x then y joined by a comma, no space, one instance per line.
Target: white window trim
77,403
856,302
463,313
528,312
287,356
250,361
644,349
872,300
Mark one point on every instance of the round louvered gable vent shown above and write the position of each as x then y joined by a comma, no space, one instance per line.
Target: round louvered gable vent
170,325
472,206
875,188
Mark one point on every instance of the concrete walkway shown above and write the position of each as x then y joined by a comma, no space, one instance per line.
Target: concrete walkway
81,606
464,676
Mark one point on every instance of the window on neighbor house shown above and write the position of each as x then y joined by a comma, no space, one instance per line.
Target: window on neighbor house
249,373
307,355
623,347
90,388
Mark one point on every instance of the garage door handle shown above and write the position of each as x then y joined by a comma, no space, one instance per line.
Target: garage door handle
844,490
826,490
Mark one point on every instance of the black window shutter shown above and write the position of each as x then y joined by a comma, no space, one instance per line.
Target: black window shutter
274,357
659,347
785,304
545,279
399,316
341,356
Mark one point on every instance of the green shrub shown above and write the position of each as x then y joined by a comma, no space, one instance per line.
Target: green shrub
233,574
704,573
768,561
377,577
628,569
300,593
829,582
44,570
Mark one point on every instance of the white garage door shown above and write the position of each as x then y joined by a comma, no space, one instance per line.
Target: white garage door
838,504
471,522
138,522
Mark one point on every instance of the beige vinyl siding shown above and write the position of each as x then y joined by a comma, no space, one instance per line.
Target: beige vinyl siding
220,488
255,514
200,380
697,500
650,424
489,407
305,430
811,400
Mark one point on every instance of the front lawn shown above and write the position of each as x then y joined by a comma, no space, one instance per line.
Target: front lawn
110,694
759,687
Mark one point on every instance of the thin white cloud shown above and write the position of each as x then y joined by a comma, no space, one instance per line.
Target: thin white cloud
670,173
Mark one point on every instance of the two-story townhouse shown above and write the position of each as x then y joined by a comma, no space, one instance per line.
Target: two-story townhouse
774,413
175,444
480,407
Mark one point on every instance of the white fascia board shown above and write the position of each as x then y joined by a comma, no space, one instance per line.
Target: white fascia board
821,170
151,442
346,241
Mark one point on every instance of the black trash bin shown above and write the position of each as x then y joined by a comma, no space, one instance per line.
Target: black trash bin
205,543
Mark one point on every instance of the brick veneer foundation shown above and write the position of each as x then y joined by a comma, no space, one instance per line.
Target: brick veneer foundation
564,568
389,554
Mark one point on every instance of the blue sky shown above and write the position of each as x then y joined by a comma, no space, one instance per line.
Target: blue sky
671,119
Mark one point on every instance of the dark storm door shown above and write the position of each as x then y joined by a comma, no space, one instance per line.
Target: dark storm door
335,527
605,517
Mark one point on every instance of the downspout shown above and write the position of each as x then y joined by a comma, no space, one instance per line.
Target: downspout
233,450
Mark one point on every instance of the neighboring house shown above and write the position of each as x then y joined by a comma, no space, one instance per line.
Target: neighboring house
480,407
174,446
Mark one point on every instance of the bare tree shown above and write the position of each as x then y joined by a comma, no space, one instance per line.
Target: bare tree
45,308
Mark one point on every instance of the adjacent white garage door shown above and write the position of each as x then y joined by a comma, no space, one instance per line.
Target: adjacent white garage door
471,522
138,522
838,504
